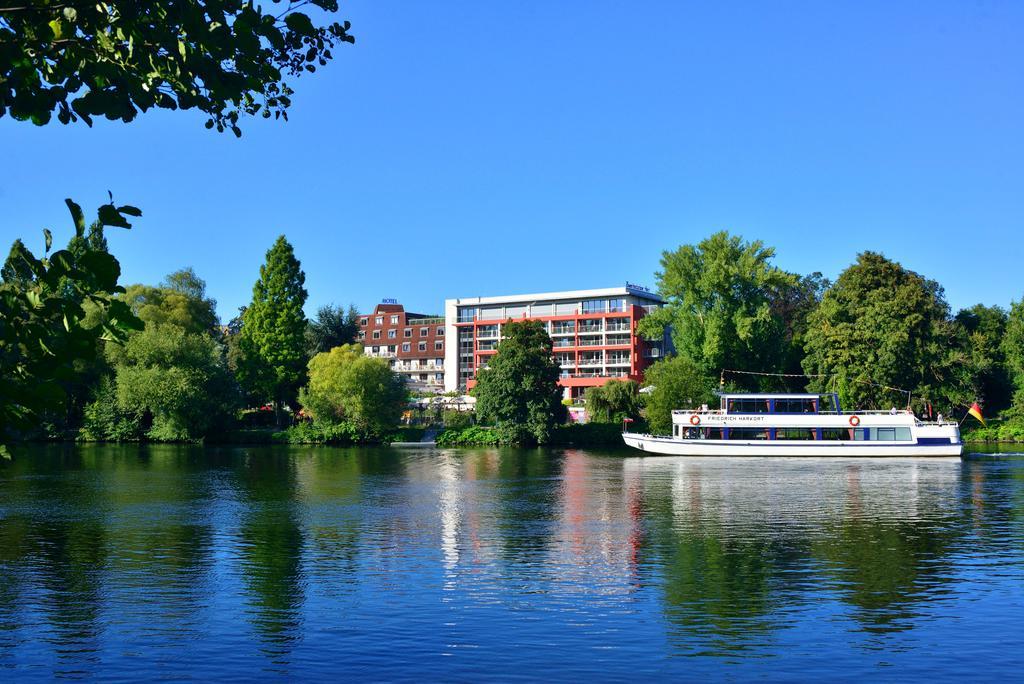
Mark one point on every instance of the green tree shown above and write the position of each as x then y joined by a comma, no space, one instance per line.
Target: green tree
78,386
794,307
721,297
105,421
180,300
346,386
272,346
1013,351
42,331
225,58
177,379
613,401
980,331
332,328
880,327
519,390
675,383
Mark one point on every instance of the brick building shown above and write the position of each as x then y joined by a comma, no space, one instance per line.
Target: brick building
413,343
594,334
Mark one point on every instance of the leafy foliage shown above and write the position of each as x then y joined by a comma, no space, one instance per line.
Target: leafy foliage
225,58
879,327
180,301
722,304
613,401
346,386
519,390
332,328
980,331
177,378
473,435
271,345
677,382
105,421
456,420
43,333
1013,351
337,433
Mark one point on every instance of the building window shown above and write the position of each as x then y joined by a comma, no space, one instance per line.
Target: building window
466,315
362,334
392,334
380,320
438,346
423,346
394,320
616,304
423,331
440,331
376,350
363,321
405,346
391,349
376,334
593,306
408,332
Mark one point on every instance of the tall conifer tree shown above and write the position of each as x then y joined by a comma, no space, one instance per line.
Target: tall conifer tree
272,340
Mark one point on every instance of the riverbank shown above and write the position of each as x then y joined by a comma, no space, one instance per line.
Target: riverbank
996,432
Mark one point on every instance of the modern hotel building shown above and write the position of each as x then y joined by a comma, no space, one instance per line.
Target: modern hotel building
594,334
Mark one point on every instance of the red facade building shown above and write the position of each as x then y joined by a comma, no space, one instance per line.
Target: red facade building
413,343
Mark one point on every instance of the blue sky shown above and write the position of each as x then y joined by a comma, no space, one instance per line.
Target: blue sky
468,148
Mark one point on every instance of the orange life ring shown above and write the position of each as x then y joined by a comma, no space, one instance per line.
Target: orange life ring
694,420
854,421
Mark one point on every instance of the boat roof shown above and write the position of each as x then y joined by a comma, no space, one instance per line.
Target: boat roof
745,395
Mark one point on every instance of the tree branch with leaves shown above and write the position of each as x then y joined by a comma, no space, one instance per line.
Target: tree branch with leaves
226,58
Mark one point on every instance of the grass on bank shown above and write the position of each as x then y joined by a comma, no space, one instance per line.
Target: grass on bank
995,431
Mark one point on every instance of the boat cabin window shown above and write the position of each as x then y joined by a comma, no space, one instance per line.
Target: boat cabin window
837,434
882,434
794,433
713,433
892,434
796,405
748,406
748,433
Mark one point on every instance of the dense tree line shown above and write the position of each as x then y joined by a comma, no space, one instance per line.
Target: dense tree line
881,335
151,362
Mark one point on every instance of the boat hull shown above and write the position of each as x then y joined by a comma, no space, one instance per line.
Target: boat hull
668,446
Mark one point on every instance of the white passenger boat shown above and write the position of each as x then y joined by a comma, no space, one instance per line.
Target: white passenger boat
798,425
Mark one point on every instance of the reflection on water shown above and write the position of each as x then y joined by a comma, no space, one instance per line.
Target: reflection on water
320,563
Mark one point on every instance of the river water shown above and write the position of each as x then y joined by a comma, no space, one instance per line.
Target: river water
129,562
